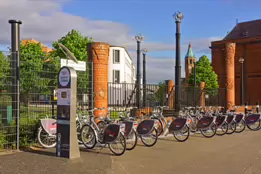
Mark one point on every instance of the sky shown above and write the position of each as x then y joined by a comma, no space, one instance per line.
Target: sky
118,21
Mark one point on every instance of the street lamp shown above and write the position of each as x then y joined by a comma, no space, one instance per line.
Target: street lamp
138,38
144,51
178,16
241,60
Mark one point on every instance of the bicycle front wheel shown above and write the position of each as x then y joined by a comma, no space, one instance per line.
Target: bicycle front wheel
241,126
131,140
88,137
119,146
222,130
254,127
182,135
209,132
232,128
150,140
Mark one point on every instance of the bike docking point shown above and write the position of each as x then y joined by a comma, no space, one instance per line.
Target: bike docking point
67,142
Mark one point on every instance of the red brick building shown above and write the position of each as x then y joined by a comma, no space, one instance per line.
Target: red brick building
244,41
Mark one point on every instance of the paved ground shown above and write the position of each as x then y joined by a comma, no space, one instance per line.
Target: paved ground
230,154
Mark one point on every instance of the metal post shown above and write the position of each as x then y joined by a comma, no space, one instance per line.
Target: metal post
138,76
241,61
178,17
195,84
15,66
144,80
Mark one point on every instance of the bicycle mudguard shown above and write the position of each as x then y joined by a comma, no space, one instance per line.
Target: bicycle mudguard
111,133
252,118
145,127
177,125
128,127
230,118
205,122
220,120
49,125
238,118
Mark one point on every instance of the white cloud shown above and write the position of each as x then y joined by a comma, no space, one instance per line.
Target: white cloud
45,21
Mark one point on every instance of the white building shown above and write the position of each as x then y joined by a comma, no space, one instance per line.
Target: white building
121,68
121,76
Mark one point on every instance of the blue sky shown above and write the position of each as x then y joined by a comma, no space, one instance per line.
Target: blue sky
117,21
153,18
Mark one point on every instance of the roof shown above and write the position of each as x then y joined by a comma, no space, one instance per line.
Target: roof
190,52
124,49
245,29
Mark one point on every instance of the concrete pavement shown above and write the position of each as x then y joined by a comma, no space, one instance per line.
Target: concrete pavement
229,154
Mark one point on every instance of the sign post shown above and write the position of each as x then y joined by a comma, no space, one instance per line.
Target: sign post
67,143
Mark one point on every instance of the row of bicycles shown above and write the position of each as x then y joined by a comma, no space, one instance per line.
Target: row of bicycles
123,133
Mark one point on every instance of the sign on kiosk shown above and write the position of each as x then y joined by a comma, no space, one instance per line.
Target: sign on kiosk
67,143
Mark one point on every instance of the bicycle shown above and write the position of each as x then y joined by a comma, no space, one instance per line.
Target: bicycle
129,133
253,120
112,134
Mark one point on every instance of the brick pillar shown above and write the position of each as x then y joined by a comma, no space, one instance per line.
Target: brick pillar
170,92
98,53
202,96
230,74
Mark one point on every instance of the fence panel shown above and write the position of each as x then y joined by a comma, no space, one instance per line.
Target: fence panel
8,101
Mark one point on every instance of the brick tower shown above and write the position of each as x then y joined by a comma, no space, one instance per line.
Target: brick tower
189,61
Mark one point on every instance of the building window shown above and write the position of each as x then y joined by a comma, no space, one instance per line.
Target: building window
116,76
190,61
116,56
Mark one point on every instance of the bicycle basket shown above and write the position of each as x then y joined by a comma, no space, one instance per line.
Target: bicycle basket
205,122
220,120
111,133
239,117
128,127
49,125
177,124
230,118
252,118
145,127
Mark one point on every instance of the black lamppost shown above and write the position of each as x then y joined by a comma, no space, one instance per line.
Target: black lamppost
241,60
138,38
178,16
144,51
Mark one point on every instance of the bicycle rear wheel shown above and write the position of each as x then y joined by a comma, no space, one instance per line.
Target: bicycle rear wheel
150,140
120,142
159,126
88,137
184,134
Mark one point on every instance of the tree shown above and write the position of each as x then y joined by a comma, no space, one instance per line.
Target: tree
160,93
4,71
204,73
77,44
31,70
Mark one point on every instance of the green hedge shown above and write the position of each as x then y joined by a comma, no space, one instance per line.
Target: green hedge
28,133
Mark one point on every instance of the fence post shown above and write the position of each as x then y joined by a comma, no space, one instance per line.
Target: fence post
202,96
15,66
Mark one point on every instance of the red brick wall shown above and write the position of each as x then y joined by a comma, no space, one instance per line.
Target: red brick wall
252,63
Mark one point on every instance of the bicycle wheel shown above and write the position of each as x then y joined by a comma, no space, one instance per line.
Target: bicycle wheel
119,142
184,134
131,140
45,140
88,136
231,128
209,132
241,126
152,138
222,130
254,127
159,126
78,130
